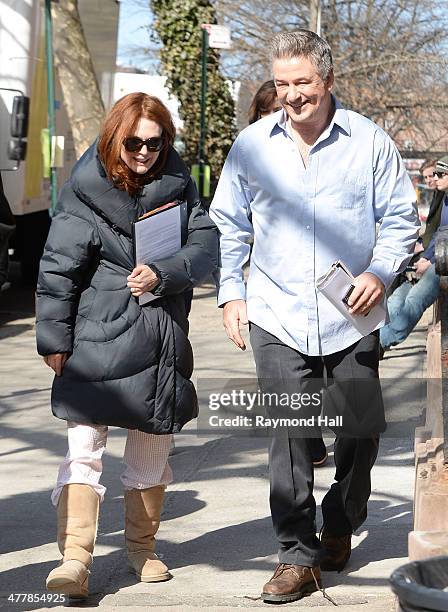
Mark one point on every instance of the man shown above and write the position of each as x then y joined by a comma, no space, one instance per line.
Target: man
407,304
396,293
427,170
309,183
433,219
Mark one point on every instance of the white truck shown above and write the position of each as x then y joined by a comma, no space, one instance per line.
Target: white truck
23,73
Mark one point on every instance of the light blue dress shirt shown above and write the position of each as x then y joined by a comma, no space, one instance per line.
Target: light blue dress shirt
303,219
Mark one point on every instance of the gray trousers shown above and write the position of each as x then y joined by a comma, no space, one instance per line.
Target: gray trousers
293,507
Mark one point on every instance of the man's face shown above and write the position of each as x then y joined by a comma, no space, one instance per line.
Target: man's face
442,183
429,178
301,91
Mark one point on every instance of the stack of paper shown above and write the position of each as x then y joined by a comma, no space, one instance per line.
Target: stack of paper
157,235
336,285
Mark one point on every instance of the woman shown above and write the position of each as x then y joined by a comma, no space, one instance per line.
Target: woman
116,362
264,102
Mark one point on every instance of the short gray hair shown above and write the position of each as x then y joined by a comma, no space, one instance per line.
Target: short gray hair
303,43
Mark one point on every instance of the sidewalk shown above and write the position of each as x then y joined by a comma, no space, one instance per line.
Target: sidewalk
216,533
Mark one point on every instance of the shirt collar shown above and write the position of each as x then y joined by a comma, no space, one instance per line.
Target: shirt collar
340,118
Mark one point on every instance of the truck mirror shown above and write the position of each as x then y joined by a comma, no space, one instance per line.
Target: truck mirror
16,149
19,117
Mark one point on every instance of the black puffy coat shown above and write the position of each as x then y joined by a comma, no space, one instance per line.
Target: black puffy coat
129,365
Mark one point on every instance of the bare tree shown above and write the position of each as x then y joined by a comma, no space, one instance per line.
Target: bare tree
390,63
82,98
390,56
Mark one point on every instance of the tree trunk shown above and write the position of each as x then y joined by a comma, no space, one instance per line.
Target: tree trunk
82,98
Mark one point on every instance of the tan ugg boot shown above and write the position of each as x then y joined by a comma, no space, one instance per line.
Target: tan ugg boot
77,513
143,509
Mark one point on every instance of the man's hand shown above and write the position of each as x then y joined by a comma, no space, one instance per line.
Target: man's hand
234,313
421,266
368,292
56,362
141,280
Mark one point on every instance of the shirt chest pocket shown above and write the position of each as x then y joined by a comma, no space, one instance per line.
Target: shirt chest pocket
345,190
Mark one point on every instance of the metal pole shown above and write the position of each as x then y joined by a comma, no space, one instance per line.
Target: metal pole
201,156
50,95
315,15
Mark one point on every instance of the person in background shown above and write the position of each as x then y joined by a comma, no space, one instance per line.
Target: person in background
435,208
118,363
427,170
264,102
409,301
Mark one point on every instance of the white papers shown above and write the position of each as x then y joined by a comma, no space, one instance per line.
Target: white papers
157,235
335,285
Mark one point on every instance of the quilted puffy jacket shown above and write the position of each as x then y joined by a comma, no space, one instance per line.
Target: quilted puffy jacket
129,365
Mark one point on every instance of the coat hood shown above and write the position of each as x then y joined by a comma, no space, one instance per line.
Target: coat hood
91,185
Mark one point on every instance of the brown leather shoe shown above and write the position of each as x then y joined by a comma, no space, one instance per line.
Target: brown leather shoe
291,582
337,551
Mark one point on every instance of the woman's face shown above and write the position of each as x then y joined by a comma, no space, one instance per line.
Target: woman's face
275,106
142,160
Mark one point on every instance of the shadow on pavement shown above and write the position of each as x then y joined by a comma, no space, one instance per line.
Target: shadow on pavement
9,331
28,520
18,301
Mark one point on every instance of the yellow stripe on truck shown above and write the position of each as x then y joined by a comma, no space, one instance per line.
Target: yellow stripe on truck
38,121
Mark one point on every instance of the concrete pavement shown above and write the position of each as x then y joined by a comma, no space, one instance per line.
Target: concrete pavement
216,532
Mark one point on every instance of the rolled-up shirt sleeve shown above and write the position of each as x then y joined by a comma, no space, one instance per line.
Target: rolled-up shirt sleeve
395,209
230,210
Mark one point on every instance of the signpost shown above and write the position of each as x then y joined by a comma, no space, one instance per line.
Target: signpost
219,36
216,37
51,104
315,16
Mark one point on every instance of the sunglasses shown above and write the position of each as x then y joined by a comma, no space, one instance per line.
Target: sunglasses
440,174
133,144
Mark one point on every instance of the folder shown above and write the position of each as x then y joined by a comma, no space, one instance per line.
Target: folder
336,285
158,234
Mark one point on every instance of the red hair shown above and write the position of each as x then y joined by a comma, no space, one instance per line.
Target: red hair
121,122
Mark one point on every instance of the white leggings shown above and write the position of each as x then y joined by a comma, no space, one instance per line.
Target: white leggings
145,458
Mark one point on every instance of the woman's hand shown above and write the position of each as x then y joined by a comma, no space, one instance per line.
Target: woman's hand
56,362
142,279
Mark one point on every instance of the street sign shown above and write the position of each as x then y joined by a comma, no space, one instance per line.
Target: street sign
218,36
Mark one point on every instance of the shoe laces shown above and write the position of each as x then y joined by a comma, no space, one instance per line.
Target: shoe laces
282,567
287,566
322,589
